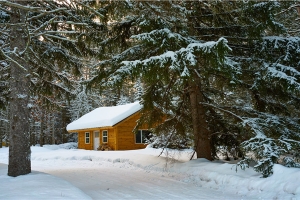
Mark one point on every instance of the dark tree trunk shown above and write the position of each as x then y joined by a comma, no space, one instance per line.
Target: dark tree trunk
2,133
52,120
32,139
19,141
64,124
259,103
42,135
200,126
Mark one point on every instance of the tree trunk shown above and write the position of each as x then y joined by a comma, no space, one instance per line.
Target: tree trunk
64,124
53,128
200,126
7,127
19,141
32,139
42,130
1,132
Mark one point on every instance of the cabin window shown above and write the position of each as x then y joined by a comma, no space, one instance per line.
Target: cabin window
141,136
96,134
87,137
104,136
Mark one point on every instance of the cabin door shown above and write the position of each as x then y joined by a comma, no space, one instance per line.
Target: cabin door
96,140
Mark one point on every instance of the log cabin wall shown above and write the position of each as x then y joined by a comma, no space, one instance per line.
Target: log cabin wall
111,136
81,140
125,136
120,136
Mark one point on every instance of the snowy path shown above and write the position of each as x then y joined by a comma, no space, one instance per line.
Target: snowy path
63,173
116,183
36,186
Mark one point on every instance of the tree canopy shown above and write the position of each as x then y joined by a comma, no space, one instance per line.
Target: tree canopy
220,76
223,71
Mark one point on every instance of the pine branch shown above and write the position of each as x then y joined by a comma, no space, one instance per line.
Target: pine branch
44,13
12,60
60,38
289,8
90,9
28,41
57,32
5,10
44,25
71,23
16,5
227,111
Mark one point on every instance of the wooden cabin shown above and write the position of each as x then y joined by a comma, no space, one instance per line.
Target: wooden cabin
110,128
5,144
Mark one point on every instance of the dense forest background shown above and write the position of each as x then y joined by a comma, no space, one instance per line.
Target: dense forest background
224,74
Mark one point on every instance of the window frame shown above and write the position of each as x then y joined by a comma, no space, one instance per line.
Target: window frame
87,137
141,139
105,136
95,134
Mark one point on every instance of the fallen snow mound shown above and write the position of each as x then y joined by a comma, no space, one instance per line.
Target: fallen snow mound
283,184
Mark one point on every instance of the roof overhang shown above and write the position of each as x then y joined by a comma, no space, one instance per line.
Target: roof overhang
104,117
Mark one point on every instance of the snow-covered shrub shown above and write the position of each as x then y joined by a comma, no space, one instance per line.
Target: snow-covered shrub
72,137
69,145
290,162
171,141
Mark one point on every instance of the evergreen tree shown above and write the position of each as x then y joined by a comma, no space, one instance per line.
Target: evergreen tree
80,105
56,37
224,74
138,90
214,69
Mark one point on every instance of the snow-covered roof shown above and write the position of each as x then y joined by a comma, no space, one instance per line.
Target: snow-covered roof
104,116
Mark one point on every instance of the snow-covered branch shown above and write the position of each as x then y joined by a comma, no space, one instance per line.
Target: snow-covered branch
289,8
57,32
44,25
44,13
71,23
12,60
60,38
16,5
226,111
90,9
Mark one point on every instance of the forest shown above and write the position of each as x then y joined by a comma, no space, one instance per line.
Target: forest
220,77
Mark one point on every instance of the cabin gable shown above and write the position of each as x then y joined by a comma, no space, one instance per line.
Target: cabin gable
126,137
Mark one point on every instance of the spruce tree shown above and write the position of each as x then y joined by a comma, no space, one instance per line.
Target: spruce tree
214,69
54,44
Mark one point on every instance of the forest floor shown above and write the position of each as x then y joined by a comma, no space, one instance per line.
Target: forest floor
63,173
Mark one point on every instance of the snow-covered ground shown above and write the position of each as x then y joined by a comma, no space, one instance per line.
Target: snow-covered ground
63,173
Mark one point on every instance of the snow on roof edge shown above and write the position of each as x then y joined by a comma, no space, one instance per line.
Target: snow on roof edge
104,117
125,118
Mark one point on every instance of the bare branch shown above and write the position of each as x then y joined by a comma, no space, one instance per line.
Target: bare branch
297,6
16,5
71,22
44,24
58,32
227,111
60,38
28,41
44,13
5,10
10,59
4,33
91,9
